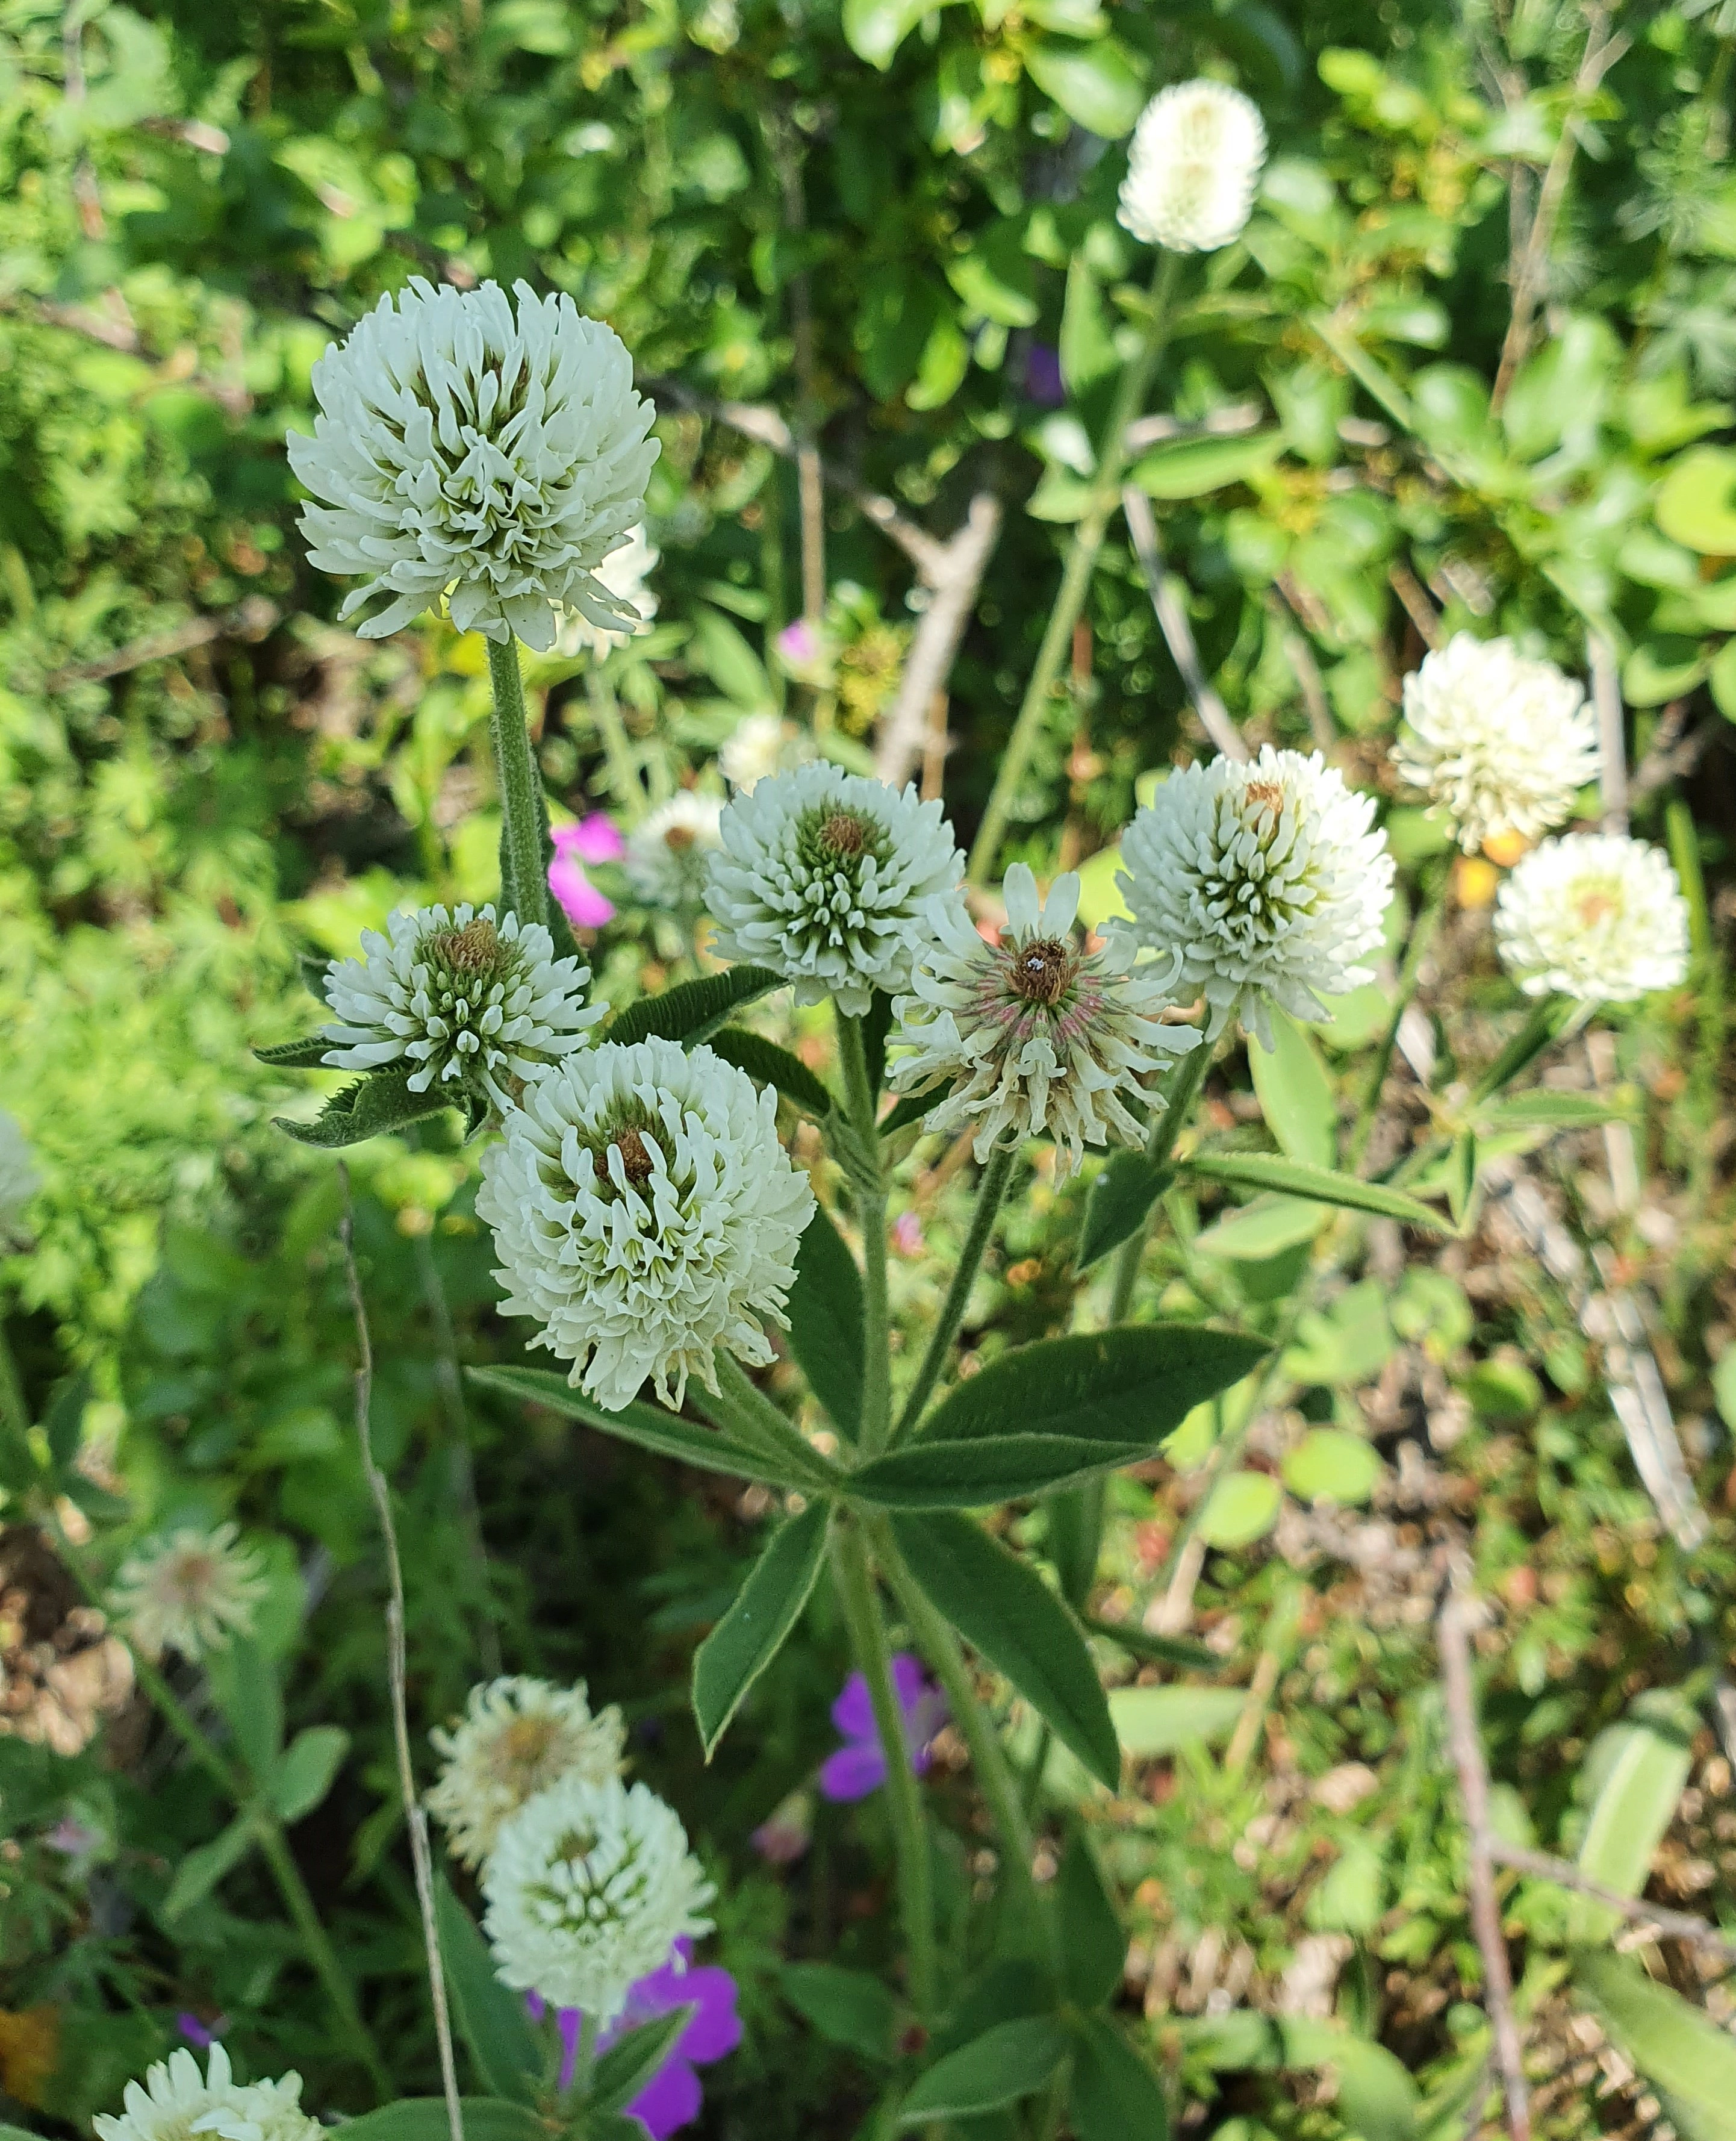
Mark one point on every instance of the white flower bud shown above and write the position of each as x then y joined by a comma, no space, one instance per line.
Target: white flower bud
1193,167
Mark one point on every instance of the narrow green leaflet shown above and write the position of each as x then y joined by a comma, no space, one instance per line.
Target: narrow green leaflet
826,1325
1259,1170
1461,1175
302,1778
1112,2093
1121,1197
425,2119
373,1105
935,1474
1002,1607
244,1681
1094,1945
491,2019
1012,2061
1129,1385
203,1867
648,1425
309,1055
693,1011
1681,2051
1160,1650
848,2007
761,1615
1637,1769
632,2061
1294,1093
1547,1110
775,1066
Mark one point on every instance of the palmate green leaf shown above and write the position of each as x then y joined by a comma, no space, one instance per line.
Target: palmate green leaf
1012,2061
1690,2061
1112,2093
1093,1944
425,2119
1128,1386
648,1425
826,1322
775,1066
760,1617
693,1011
1121,1198
634,2060
848,2007
1002,1607
1291,1178
930,1473
490,2018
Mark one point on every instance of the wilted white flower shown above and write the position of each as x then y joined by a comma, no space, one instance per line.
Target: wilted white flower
193,1592
177,2102
1193,167
667,853
588,1888
1593,915
759,746
463,997
825,877
644,1214
1502,743
1265,877
20,1180
463,451
516,1738
1034,1034
624,573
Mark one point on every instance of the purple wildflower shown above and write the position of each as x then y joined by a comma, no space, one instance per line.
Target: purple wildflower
593,839
198,2033
860,1766
1043,380
799,642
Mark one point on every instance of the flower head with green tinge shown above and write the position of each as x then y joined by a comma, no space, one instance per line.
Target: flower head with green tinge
176,2102
1596,916
516,1737
669,852
193,1592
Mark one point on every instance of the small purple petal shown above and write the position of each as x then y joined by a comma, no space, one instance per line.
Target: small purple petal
852,1772
195,2031
1043,380
798,642
716,2029
585,907
853,1712
597,839
907,1682
671,2099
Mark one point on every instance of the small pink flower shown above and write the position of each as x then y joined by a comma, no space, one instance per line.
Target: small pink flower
799,642
593,839
596,838
908,1236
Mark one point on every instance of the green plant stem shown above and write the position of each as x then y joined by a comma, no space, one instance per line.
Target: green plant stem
523,840
1070,599
625,785
14,1413
990,1189
870,1192
867,1625
1181,1090
1422,937
584,2062
757,1421
321,1953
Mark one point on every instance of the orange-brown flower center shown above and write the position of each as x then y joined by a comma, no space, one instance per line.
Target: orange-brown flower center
1042,969
470,950
634,1156
843,833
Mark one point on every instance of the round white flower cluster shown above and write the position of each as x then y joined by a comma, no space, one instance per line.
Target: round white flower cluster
1193,167
193,1592
1502,743
1265,877
1034,1034
462,996
1596,916
516,1737
667,853
622,574
177,2102
466,451
20,1180
826,878
759,746
645,1213
588,1887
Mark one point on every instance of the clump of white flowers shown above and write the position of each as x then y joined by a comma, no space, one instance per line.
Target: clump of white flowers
1593,915
759,746
516,1737
667,853
466,450
1034,1034
623,573
826,878
645,1213
1193,167
588,1888
193,1592
20,1180
1265,877
466,998
177,2102
1502,743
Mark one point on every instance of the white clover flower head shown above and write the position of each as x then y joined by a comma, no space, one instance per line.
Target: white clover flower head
589,1886
466,450
1504,744
1596,916
1193,167
1267,879
516,1737
177,2102
468,1000
826,878
667,853
759,746
623,573
645,1213
20,1180
1034,1034
193,1592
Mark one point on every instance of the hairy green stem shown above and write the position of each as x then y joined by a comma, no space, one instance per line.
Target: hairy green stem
867,1625
1181,1090
1070,599
871,1216
757,1422
625,785
524,839
990,1189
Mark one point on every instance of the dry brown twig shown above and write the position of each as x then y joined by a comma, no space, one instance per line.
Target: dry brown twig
421,1855
251,619
1675,1925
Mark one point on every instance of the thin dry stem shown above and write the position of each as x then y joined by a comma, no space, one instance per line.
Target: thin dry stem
1675,1925
1142,524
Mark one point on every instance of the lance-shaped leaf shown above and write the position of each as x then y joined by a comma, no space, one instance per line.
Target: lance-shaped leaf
380,1103
1160,1650
635,2060
1012,2061
491,2019
826,1322
772,1065
693,1011
426,2119
761,1615
202,1868
930,1473
309,1055
1291,1178
307,1770
1093,1942
1548,1110
1112,2094
1128,1386
1121,1198
1002,1607
848,2007
650,1427
1681,2051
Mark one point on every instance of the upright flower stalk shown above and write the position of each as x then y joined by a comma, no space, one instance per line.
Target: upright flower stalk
525,851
